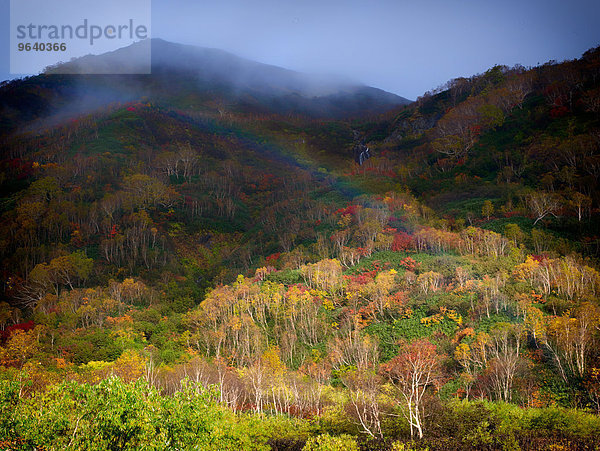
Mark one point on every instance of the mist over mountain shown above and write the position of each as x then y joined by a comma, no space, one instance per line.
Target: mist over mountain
186,77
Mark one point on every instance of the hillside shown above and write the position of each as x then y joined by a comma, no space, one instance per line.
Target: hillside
525,140
185,267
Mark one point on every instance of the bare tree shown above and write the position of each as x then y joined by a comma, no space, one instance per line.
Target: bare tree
543,204
504,348
415,369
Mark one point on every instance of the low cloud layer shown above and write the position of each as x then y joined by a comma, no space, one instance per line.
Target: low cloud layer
403,47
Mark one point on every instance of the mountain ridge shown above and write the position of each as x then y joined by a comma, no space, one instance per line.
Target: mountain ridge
188,77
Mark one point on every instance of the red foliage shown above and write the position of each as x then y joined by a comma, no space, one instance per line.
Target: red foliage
475,129
273,258
299,287
539,257
363,278
559,111
416,359
267,182
410,264
398,299
349,210
402,242
21,169
21,326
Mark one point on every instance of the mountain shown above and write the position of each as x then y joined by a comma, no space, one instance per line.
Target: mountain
213,67
174,225
187,77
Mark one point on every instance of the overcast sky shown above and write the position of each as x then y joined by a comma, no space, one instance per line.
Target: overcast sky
406,47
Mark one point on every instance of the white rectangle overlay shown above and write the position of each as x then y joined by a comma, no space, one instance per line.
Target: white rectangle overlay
66,36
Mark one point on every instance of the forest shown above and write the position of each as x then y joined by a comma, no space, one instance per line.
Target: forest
178,273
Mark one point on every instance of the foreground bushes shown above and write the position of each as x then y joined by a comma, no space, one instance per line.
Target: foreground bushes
118,415
498,425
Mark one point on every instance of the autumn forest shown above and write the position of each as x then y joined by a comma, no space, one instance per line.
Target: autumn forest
184,267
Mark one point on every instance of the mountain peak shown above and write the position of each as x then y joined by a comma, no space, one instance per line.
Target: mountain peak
221,68
185,77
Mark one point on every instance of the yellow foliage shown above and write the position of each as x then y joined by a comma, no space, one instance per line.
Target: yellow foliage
272,361
462,352
453,316
432,320
130,365
21,346
328,304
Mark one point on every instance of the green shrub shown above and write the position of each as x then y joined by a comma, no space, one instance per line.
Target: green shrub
326,442
117,415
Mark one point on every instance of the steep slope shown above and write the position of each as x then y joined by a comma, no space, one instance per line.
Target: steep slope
526,141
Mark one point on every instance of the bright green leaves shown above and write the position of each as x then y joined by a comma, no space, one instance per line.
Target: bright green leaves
116,415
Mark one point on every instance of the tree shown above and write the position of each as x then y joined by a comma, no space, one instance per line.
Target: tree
504,348
411,372
66,270
145,191
458,130
591,100
488,209
379,290
542,204
70,269
430,281
490,116
570,339
542,241
364,385
350,349
324,275
581,204
262,376
340,239
592,384
450,145
534,323
20,347
514,233
472,357
6,314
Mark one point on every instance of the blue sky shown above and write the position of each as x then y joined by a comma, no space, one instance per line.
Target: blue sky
406,47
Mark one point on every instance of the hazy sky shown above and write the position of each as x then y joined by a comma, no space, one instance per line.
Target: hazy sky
406,47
